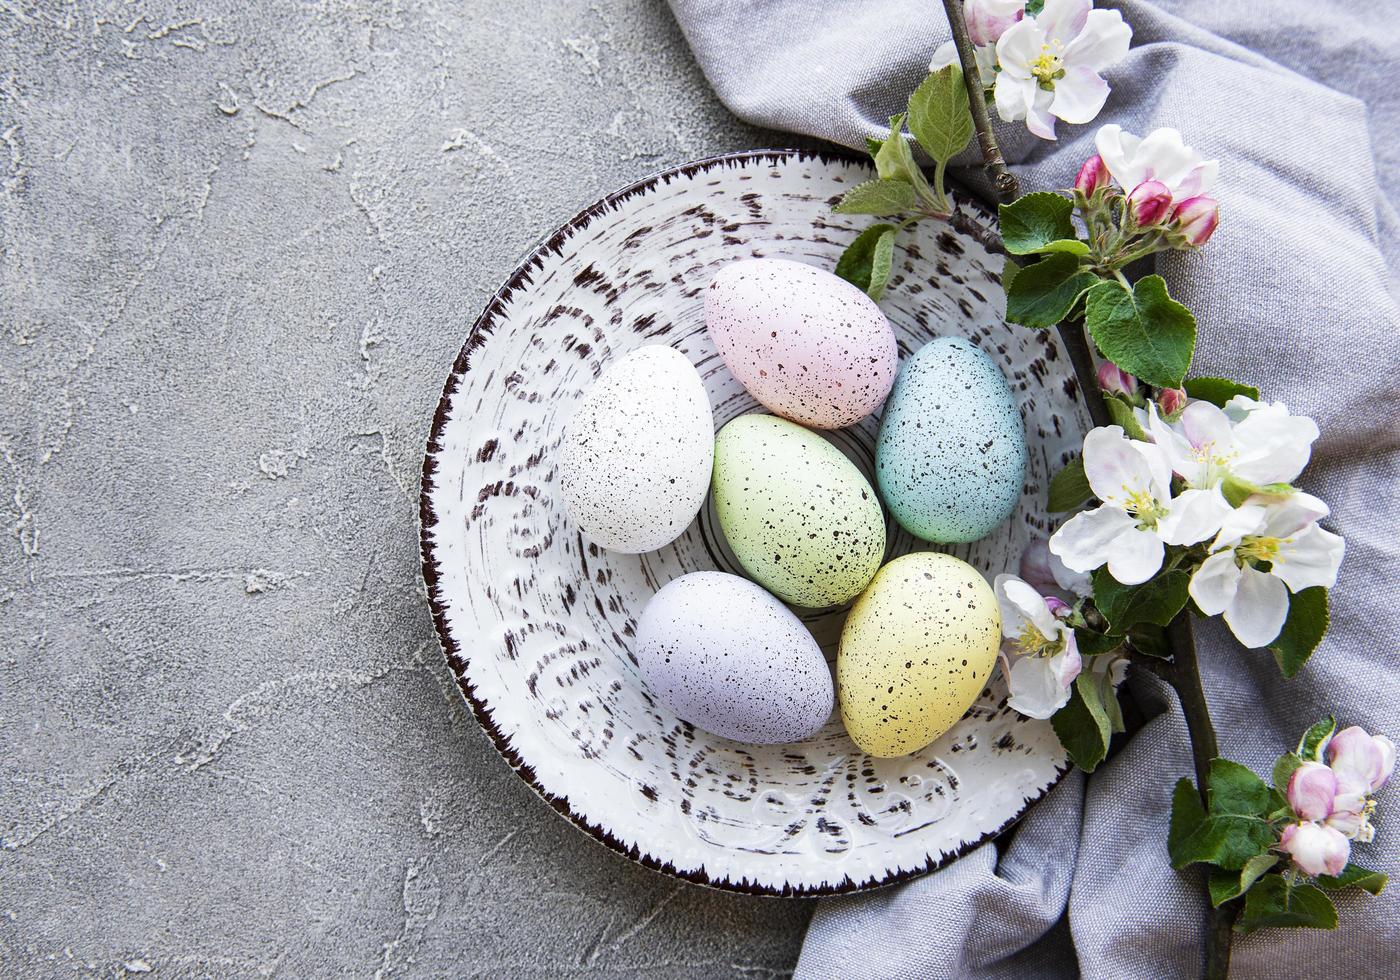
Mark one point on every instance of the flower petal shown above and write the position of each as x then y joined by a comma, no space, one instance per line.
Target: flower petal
1086,540
1287,516
1357,759
1035,686
1136,556
1039,119
1023,606
1194,516
1214,585
1079,95
1101,44
1260,606
1016,49
946,54
1273,445
1115,468
1119,151
1062,20
1311,558
1013,96
1311,789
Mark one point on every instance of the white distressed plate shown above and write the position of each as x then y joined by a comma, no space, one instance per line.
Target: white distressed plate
537,624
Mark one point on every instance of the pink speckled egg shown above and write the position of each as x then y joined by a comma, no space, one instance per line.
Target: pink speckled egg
808,345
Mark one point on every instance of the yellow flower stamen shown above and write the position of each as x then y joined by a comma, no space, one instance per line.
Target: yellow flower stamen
1049,66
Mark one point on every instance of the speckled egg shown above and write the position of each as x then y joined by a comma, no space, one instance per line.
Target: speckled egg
635,459
915,652
728,657
808,345
951,455
800,517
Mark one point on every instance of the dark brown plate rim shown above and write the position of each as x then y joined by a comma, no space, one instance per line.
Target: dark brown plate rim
427,518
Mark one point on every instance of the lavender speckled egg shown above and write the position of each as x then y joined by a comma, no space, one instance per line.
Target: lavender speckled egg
951,455
916,649
808,345
802,520
635,459
727,657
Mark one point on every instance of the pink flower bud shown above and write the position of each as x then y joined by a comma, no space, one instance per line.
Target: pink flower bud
1361,762
988,20
1150,201
1057,606
1310,791
1316,849
1092,176
1195,219
1115,381
1171,401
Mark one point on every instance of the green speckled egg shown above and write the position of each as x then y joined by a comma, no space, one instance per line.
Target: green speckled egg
802,520
915,652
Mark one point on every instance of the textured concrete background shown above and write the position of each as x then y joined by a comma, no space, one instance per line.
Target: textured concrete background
241,246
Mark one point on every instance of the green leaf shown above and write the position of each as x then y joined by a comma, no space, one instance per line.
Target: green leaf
1155,601
1225,885
896,161
867,260
1070,487
1042,294
1145,332
1283,770
1108,695
1188,817
1354,875
1235,789
1083,725
1227,841
1272,903
939,116
1218,391
1151,640
1040,222
1009,269
1122,415
1034,7
873,145
1091,644
891,196
1315,739
1302,631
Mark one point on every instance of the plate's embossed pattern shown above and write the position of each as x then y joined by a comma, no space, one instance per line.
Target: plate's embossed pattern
538,624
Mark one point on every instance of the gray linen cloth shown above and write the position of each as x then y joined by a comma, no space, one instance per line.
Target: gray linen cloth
1300,101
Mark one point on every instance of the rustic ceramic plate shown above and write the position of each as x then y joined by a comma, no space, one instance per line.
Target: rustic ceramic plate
537,624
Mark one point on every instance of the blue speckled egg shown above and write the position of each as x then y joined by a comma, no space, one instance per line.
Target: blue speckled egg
727,657
951,455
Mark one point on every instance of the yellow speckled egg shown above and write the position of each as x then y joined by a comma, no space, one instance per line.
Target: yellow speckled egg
917,648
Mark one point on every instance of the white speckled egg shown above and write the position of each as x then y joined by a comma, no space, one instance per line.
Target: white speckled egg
808,345
951,455
917,648
726,656
635,458
801,518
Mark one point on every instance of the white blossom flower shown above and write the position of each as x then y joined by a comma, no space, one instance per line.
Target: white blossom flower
1139,516
1051,64
1161,156
1266,548
1258,443
1046,655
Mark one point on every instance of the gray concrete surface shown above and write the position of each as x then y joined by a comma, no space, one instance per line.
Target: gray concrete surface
241,245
